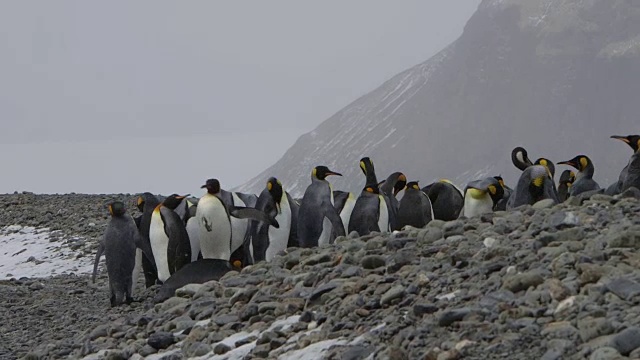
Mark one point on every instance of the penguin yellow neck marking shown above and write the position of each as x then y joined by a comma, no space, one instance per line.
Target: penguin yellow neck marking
538,181
157,209
476,194
583,163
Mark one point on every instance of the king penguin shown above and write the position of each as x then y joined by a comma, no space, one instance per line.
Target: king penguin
344,202
533,185
317,216
415,207
372,210
266,240
481,196
584,178
119,245
501,205
564,184
520,158
147,202
630,175
390,187
213,217
446,198
169,238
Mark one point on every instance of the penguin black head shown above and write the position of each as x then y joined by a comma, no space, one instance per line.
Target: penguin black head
117,208
397,179
274,186
548,164
366,165
520,158
580,162
212,186
401,183
173,201
321,172
632,140
413,185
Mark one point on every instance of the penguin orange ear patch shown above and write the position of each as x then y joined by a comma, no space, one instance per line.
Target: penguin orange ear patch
370,189
638,144
269,185
492,189
416,187
140,200
110,209
237,263
363,167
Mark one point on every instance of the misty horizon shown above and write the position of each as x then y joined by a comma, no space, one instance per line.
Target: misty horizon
259,76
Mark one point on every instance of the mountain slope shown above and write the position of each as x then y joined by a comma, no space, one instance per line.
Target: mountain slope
557,77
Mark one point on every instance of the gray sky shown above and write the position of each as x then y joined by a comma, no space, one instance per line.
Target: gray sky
120,96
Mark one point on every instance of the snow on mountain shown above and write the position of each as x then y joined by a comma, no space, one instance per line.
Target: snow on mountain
557,77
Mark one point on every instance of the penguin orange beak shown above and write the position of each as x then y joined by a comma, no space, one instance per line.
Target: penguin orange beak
621,138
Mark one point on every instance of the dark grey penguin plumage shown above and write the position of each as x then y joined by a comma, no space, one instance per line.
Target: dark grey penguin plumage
564,184
169,238
415,207
584,178
447,199
266,241
147,202
371,211
533,185
630,175
318,219
119,245
389,188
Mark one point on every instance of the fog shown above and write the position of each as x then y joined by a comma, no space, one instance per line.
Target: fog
103,97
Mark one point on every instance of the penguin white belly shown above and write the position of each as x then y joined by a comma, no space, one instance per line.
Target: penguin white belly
383,217
136,271
345,214
279,238
238,226
477,206
159,244
194,237
327,228
215,228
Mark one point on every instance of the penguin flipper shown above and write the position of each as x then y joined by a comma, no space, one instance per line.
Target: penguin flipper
336,222
95,264
253,214
145,246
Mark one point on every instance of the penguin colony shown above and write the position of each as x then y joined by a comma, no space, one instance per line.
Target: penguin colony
179,239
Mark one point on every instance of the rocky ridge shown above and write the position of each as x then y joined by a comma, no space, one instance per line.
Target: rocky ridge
557,282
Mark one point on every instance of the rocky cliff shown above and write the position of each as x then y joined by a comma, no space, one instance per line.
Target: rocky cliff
557,77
